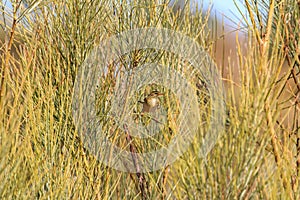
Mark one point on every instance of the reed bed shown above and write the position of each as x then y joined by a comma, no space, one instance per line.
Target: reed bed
42,155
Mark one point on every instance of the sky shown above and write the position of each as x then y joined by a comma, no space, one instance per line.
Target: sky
226,7
223,9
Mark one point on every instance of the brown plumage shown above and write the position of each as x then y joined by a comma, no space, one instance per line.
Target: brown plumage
151,102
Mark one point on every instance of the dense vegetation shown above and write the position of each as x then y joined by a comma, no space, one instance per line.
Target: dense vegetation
43,45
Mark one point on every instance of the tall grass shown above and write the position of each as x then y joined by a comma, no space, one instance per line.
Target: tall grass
42,156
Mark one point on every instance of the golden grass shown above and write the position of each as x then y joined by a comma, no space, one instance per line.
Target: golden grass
42,156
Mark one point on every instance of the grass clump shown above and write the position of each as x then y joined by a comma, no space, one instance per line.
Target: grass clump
41,152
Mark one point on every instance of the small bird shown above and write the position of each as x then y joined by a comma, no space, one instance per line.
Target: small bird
151,102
